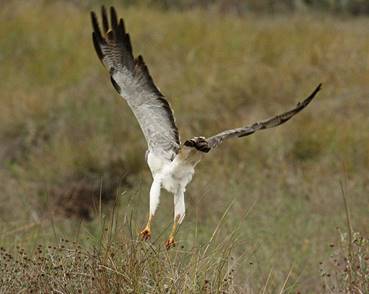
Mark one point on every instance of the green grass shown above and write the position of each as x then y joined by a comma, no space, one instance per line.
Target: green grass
67,140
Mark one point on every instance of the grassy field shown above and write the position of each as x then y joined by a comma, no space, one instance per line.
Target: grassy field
264,214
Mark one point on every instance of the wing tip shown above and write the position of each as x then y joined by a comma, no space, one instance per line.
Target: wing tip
307,100
95,40
95,24
104,17
317,89
113,18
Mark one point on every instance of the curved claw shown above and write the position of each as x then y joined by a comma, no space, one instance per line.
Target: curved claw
145,234
170,243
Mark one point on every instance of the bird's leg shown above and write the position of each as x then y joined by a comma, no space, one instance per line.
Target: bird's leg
171,242
179,213
154,202
146,232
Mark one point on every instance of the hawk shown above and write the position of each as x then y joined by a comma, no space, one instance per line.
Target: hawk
171,163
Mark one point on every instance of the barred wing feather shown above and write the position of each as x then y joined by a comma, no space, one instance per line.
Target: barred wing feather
131,78
272,122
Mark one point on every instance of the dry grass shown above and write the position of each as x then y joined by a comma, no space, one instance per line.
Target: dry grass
347,271
121,265
62,126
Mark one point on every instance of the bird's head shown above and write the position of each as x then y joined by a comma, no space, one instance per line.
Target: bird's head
199,143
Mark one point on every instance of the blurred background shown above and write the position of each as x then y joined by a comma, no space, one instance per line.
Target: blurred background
71,150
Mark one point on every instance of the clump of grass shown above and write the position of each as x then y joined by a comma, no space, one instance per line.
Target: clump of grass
348,269
122,265
347,272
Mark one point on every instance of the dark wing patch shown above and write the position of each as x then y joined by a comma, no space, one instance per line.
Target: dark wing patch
115,85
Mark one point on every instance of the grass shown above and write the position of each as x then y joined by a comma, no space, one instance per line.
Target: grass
115,263
347,271
68,145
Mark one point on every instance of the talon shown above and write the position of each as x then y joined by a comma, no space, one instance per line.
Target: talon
145,234
170,243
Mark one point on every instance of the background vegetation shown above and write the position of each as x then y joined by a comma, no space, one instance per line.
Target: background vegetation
241,7
264,214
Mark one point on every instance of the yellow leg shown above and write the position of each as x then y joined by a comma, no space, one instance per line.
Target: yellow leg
171,242
146,232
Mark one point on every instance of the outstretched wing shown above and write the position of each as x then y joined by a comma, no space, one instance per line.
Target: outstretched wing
275,121
132,80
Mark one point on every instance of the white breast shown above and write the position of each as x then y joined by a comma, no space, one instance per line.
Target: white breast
173,174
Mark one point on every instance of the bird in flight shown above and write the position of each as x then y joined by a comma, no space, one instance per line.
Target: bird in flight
172,164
